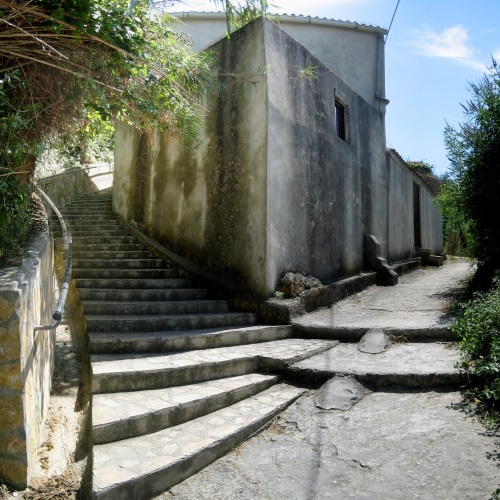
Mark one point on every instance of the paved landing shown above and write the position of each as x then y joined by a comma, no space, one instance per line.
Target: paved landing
390,445
420,303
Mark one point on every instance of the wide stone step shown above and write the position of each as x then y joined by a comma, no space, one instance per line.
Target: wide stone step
111,255
101,323
84,202
122,274
145,466
93,218
78,227
105,233
88,225
131,263
99,240
143,308
419,365
142,294
124,415
132,283
107,247
101,204
131,372
86,209
209,338
92,213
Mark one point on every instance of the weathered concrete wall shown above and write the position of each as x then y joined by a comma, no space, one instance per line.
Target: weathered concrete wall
431,221
324,193
273,188
401,240
27,298
349,49
63,188
401,244
209,204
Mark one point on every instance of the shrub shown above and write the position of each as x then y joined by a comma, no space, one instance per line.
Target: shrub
478,327
15,212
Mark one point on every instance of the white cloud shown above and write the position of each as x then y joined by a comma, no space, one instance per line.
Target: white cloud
451,43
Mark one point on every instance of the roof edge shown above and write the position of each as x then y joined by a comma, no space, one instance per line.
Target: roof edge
292,18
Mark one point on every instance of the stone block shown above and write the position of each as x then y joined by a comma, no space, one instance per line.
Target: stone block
11,411
11,376
9,343
8,302
386,276
13,444
434,260
14,472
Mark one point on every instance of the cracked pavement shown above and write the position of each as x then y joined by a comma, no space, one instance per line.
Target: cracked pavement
344,441
389,445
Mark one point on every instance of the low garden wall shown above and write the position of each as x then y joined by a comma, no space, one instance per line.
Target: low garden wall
27,295
65,187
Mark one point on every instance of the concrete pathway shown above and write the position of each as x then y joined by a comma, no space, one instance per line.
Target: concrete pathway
369,440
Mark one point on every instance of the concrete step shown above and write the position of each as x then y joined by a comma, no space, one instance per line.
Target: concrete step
106,233
95,218
209,338
124,274
107,247
132,283
106,225
102,204
145,466
420,365
84,202
142,294
99,240
131,263
123,415
129,323
145,308
87,212
132,372
86,223
111,255
87,208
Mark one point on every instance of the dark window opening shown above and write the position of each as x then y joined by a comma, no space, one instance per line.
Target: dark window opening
340,120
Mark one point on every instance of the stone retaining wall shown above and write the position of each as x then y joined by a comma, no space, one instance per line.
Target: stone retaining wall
63,188
27,296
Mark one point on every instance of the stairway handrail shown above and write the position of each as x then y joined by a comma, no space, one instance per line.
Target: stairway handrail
68,246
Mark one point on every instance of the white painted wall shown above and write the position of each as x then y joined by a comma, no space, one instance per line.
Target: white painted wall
352,51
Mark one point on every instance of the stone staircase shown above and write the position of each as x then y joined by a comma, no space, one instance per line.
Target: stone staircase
178,379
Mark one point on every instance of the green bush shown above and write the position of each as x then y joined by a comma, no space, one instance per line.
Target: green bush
15,212
478,327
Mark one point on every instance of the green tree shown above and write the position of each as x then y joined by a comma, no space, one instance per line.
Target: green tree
69,66
472,192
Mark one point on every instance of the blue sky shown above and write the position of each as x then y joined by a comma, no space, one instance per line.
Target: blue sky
433,50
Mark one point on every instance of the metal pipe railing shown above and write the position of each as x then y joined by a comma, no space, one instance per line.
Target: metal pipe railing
68,246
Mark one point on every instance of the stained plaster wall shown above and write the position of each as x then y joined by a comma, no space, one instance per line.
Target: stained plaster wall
401,241
349,49
273,188
431,220
324,193
208,205
26,360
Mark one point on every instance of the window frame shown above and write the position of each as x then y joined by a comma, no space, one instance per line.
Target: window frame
341,120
